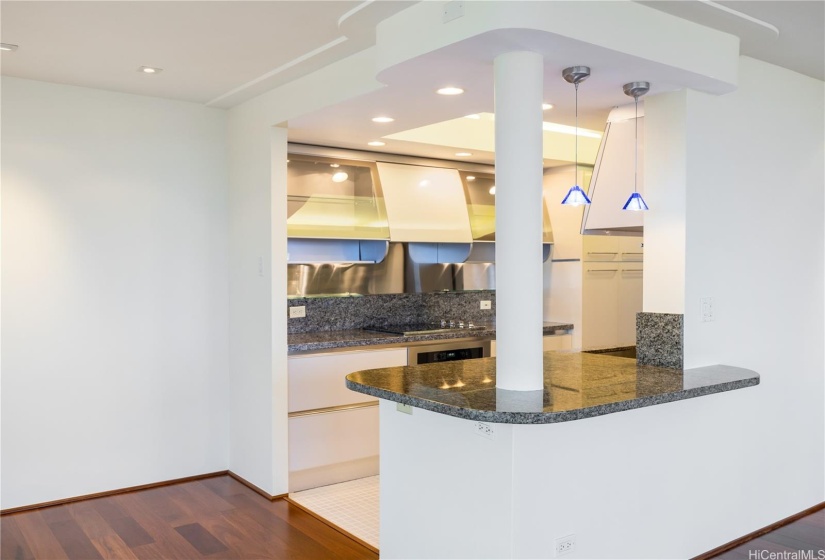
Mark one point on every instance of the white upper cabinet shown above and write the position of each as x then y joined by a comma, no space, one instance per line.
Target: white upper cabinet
424,204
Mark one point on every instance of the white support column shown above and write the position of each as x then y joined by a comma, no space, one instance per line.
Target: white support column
519,80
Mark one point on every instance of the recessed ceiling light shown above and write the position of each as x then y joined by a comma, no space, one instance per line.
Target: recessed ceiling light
546,106
334,165
424,183
471,178
375,143
493,190
450,90
382,119
150,70
463,154
7,47
339,177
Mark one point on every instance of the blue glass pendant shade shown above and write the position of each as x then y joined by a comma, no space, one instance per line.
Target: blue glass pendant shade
575,197
635,202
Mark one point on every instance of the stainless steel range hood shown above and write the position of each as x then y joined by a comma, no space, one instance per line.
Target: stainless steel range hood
612,180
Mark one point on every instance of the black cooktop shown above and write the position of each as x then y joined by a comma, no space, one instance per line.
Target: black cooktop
425,328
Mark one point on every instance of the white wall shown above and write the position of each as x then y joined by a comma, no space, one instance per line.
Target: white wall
258,212
114,291
758,251
665,170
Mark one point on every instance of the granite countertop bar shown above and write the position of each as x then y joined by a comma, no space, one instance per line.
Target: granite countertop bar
327,340
576,385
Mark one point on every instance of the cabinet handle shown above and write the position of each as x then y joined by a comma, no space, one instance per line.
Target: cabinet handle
331,409
602,270
601,253
632,270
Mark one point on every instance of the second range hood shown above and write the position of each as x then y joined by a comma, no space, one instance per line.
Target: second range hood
613,175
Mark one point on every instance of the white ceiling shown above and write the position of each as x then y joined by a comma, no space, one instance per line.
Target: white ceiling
225,52
788,33
206,49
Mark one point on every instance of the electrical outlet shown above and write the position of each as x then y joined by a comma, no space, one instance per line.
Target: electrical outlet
486,304
565,545
297,311
405,408
485,430
707,310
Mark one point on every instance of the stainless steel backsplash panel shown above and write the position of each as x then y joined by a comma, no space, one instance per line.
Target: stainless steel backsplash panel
396,274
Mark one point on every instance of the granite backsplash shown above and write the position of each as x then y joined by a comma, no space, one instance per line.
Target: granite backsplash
660,339
355,312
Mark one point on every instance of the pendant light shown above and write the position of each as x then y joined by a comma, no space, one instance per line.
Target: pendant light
636,202
576,75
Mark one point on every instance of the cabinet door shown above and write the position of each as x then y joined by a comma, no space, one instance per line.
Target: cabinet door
631,249
600,305
600,248
317,380
557,342
630,302
332,447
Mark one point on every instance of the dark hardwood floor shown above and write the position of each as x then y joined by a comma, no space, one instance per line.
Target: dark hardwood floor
212,518
806,534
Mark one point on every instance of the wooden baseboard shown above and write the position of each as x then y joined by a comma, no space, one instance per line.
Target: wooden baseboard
251,486
112,492
758,533
331,524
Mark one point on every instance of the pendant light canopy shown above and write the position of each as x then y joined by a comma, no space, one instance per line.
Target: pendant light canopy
576,75
636,202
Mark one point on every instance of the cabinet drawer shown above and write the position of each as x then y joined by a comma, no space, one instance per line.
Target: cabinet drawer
318,380
332,447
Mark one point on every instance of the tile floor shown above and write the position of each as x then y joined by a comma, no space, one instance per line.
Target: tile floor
352,506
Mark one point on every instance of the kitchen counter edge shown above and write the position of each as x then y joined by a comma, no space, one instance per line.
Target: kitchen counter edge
743,378
298,343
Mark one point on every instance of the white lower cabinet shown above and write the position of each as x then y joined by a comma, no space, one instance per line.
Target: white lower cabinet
333,447
557,342
333,432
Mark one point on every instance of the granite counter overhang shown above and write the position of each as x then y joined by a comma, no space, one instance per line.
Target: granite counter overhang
330,340
576,386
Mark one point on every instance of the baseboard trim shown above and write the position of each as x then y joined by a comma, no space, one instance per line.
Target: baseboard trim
331,524
254,488
111,492
759,532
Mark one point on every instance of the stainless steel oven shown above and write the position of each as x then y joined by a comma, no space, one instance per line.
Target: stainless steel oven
448,351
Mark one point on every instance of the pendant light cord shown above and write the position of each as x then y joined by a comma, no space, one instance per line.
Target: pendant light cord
576,176
636,145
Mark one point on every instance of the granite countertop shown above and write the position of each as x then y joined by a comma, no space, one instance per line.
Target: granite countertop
326,340
576,385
